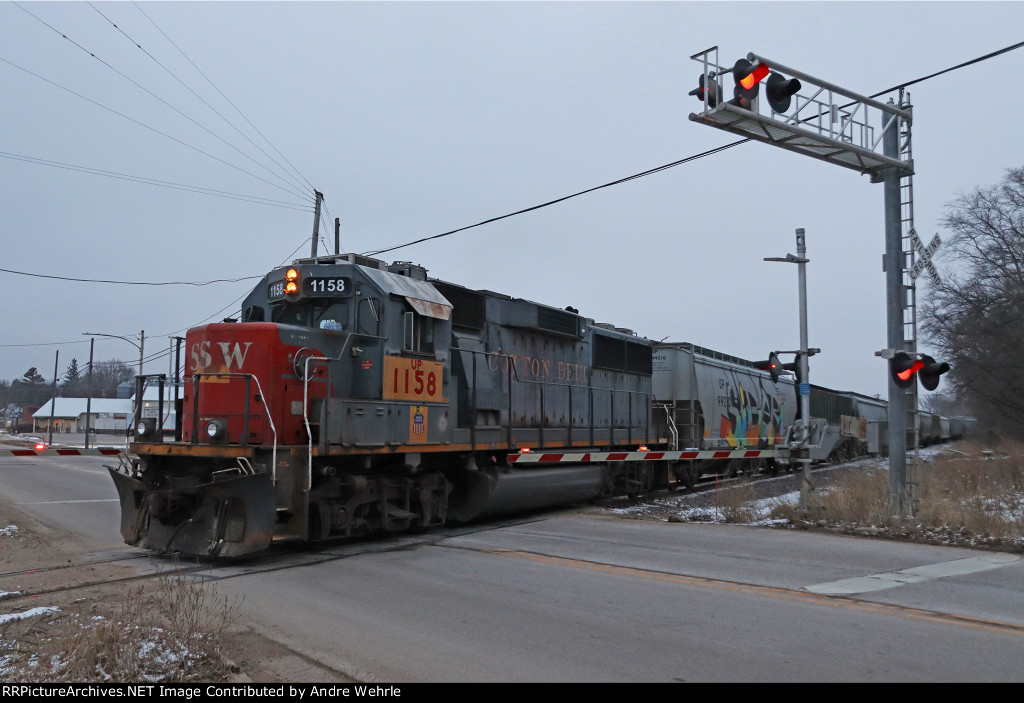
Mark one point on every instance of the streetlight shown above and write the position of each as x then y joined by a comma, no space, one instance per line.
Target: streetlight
139,346
88,401
804,386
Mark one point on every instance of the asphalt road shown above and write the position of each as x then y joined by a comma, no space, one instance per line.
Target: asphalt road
580,598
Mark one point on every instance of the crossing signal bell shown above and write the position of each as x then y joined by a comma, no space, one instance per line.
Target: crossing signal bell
930,372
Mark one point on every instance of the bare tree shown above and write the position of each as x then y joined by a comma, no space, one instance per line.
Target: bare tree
108,375
976,316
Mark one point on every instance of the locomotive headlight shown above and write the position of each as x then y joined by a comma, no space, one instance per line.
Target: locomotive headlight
291,275
216,429
291,287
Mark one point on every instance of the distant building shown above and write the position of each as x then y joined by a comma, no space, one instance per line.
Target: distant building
107,415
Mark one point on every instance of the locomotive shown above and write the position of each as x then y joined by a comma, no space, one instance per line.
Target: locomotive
355,398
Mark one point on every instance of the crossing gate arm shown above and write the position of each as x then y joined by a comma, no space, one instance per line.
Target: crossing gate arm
587,457
55,451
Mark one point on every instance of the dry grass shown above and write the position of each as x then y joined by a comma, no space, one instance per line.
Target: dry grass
170,631
739,504
973,496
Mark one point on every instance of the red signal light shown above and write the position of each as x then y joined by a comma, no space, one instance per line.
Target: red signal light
40,446
914,368
756,76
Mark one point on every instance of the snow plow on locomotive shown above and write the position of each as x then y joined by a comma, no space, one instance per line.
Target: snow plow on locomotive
355,398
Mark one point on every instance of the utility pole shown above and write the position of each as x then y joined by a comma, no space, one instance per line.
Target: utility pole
802,452
53,400
88,394
316,223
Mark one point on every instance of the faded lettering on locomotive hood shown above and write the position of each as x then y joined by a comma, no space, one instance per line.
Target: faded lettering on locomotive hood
232,353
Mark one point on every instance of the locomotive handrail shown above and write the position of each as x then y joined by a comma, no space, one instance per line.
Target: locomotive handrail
305,396
245,422
672,430
141,383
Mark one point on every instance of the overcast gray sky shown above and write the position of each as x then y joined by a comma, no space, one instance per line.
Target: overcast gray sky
417,118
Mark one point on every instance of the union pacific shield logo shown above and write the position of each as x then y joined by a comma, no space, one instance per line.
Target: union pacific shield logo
417,423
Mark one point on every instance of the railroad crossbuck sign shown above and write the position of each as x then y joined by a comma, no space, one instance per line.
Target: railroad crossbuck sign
925,262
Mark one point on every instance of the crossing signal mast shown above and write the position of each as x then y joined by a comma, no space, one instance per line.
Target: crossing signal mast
816,118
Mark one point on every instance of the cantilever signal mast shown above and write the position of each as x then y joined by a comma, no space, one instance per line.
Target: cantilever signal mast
861,134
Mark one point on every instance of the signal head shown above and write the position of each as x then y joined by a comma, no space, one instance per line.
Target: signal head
779,90
930,372
772,365
902,367
706,93
748,81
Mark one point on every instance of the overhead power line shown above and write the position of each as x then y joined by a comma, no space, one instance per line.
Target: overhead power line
131,283
155,182
290,188
301,187
235,107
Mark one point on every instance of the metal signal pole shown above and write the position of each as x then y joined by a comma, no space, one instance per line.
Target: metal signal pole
895,297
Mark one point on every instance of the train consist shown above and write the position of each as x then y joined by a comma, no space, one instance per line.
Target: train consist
356,398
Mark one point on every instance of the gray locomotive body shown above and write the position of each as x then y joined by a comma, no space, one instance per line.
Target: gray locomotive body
356,398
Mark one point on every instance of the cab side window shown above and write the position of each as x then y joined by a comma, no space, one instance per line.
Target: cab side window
368,316
418,333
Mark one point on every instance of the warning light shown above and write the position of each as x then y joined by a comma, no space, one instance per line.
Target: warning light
755,76
709,93
779,90
902,367
40,446
772,365
748,78
930,372
643,449
524,450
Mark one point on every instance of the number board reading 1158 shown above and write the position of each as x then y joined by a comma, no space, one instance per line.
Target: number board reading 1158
319,287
